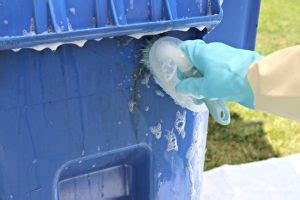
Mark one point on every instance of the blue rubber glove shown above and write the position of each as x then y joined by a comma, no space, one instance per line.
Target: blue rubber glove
224,71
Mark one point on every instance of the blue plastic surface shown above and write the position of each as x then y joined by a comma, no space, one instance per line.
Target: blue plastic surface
84,123
29,23
239,25
66,114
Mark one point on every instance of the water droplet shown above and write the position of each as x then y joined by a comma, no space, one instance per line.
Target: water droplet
131,105
147,108
73,11
159,93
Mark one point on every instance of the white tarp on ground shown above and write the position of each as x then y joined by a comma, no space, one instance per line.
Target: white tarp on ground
273,179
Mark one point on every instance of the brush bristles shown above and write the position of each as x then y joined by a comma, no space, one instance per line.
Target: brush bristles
146,51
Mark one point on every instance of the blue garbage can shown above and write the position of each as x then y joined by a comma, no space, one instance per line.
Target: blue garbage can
87,123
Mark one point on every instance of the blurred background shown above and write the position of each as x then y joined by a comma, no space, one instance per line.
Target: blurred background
254,136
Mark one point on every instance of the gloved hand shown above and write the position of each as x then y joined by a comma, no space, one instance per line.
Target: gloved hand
224,71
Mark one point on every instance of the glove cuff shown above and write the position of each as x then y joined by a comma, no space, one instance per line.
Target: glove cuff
247,99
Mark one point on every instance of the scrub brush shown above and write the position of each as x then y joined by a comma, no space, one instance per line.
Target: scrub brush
163,58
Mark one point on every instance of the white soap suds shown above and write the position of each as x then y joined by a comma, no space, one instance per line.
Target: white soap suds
54,46
195,157
200,28
156,130
72,11
131,105
79,43
179,123
139,35
159,93
172,141
26,33
159,174
145,80
183,29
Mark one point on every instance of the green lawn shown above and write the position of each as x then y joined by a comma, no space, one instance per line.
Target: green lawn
253,136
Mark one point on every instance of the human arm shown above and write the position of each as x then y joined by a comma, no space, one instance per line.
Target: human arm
269,84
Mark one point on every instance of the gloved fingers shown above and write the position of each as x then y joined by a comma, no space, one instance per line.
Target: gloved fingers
193,50
192,73
192,87
198,101
180,75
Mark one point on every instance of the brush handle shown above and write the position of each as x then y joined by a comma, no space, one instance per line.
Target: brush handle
218,110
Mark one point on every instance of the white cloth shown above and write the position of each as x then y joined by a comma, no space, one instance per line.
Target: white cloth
273,179
275,81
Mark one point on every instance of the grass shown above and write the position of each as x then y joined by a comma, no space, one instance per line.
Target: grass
253,136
